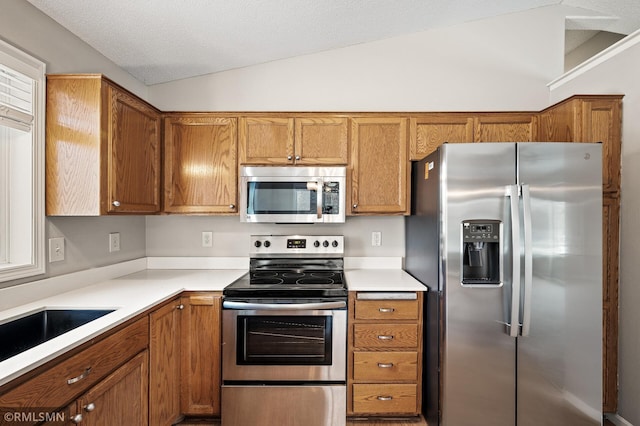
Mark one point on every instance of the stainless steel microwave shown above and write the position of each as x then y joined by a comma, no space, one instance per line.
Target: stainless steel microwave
292,194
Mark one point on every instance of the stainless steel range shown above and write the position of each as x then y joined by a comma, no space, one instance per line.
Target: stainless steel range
285,333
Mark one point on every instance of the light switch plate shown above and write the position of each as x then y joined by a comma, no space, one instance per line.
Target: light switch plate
114,242
56,249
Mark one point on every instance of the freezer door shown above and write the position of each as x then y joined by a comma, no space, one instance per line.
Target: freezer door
559,356
478,364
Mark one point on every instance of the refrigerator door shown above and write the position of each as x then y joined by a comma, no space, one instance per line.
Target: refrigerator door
559,355
478,364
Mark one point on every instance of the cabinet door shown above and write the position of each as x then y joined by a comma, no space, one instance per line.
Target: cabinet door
505,127
200,393
266,140
429,131
133,155
601,122
321,140
379,166
164,359
120,399
200,164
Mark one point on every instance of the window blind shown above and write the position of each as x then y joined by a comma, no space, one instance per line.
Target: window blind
16,99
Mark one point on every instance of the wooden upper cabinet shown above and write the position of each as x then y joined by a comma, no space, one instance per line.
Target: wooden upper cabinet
596,118
379,166
102,148
200,164
429,131
505,127
317,140
266,140
321,140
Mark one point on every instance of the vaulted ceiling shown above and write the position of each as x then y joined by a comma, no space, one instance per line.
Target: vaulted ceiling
164,40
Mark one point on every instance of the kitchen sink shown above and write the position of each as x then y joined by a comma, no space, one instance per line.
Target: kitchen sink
24,333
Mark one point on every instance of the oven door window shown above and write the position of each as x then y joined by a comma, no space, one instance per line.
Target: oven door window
282,198
284,340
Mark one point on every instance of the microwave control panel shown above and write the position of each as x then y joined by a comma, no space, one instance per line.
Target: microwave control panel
331,198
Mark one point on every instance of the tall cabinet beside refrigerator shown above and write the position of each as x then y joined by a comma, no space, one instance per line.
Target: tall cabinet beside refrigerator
508,238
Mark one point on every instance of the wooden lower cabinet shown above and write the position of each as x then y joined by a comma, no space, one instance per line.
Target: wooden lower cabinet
201,346
164,354
119,399
384,355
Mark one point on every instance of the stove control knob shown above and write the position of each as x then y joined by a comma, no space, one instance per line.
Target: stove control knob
325,243
334,243
316,243
267,243
257,244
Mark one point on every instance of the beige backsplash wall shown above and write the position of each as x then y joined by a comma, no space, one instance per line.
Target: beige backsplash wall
182,235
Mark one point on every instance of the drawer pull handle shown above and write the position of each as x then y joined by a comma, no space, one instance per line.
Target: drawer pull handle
385,398
385,337
80,377
386,310
385,365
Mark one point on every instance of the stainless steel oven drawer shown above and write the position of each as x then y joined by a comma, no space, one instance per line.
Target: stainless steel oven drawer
312,405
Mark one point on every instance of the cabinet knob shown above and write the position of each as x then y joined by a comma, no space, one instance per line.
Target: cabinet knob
76,419
116,203
89,407
297,157
355,206
232,206
180,306
289,157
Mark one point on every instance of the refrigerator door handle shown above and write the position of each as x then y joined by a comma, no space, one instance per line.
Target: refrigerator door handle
513,192
528,261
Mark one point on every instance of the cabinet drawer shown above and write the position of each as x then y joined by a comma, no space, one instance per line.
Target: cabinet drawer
392,366
385,399
386,309
52,388
385,335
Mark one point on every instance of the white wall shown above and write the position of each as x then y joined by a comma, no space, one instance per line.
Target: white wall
501,63
619,75
25,27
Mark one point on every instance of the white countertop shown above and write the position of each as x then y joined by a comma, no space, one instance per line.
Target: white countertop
135,293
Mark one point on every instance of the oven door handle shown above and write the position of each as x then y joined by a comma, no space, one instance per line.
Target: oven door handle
227,304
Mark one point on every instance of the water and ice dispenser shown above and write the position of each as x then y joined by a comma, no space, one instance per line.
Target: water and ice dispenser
481,253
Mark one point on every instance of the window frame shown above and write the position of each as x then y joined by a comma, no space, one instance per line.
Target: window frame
35,69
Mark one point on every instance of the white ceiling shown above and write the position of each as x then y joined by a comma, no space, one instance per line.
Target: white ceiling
164,40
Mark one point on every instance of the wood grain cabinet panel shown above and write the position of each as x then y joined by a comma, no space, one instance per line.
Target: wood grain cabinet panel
384,367
120,399
385,399
429,131
313,140
379,166
506,127
164,360
266,140
201,347
200,164
102,149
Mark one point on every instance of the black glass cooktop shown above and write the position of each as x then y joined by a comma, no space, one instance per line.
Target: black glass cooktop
286,279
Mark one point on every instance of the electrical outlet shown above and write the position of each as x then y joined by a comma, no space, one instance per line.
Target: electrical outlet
56,249
207,239
114,242
376,238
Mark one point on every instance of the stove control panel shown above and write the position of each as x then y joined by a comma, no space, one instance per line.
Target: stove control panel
297,244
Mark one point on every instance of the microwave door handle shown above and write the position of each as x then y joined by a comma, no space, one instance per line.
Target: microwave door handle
319,197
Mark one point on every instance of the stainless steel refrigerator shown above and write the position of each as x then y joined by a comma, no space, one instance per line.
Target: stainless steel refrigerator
508,238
